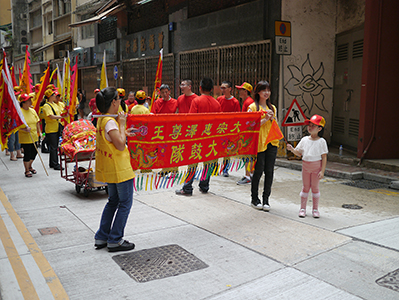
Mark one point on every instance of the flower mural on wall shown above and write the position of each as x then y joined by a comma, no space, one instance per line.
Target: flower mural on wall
307,85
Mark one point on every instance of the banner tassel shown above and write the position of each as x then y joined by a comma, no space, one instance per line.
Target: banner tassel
232,166
170,178
165,181
146,183
134,184
152,177
178,179
199,173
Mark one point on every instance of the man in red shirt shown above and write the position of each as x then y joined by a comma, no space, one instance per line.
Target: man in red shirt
130,101
165,104
202,104
184,101
244,91
93,107
228,103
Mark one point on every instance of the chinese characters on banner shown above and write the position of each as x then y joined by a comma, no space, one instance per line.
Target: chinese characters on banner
172,140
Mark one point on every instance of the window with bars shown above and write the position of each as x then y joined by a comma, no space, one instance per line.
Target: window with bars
140,73
236,63
107,30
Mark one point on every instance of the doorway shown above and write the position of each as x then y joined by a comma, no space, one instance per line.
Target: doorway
347,87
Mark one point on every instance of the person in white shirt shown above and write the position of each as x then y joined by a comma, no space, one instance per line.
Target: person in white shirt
313,150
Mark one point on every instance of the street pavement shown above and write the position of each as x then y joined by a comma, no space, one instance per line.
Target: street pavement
248,254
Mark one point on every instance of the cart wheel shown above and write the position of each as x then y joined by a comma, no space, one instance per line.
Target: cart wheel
106,189
86,192
77,188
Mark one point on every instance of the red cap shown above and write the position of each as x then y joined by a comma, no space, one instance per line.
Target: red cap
317,120
56,93
97,90
37,87
24,97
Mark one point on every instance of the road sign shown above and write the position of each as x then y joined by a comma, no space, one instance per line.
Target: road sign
294,116
294,133
282,28
283,45
115,72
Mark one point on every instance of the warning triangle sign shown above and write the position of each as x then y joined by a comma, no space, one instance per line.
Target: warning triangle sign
294,116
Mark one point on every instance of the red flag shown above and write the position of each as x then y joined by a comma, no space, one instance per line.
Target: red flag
11,116
19,74
158,78
26,80
14,82
44,82
274,133
74,91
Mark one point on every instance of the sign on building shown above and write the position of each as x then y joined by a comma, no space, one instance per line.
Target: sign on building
294,116
283,37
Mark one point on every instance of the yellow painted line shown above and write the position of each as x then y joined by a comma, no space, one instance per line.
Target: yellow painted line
385,192
51,278
24,281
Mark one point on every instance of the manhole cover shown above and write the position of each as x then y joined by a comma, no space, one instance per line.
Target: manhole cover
366,184
49,230
158,263
390,281
352,206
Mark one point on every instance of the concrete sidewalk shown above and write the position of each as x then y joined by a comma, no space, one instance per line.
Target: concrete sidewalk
247,254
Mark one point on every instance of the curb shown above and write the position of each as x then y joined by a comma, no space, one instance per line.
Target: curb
393,182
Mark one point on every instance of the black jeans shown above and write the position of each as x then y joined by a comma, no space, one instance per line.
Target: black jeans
52,142
264,164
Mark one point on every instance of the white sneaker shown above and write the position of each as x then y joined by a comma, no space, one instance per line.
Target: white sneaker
302,213
257,206
266,207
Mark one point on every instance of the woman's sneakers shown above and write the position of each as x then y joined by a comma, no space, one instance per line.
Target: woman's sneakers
124,246
302,213
257,205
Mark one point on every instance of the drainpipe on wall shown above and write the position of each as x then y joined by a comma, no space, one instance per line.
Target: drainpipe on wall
374,120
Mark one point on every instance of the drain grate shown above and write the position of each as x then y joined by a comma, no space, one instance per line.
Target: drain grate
158,263
366,184
390,281
352,206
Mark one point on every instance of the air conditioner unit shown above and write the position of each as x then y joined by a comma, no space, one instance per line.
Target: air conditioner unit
62,53
23,16
23,48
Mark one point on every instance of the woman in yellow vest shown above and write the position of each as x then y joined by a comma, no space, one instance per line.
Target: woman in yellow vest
113,167
266,153
52,117
29,134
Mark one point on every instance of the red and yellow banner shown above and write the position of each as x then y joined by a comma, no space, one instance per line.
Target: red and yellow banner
11,117
172,140
44,82
158,79
25,83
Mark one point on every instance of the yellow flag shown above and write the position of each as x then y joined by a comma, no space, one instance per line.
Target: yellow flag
104,79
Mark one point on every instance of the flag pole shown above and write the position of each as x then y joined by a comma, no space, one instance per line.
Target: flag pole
34,144
4,164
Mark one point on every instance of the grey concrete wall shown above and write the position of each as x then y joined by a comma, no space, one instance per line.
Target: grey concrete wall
350,14
239,24
309,71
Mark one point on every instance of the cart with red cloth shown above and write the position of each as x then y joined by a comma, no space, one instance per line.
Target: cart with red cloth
77,153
